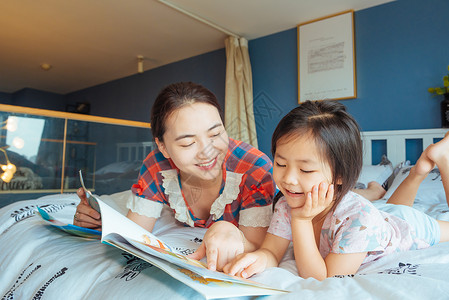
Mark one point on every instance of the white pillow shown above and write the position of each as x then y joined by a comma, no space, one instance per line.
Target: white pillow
378,173
430,190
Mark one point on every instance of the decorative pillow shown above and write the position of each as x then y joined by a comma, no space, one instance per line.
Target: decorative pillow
396,170
430,190
379,173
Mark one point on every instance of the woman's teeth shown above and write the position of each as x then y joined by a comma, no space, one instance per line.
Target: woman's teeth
208,164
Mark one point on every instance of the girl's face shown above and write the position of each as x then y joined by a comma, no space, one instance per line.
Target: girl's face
298,167
196,141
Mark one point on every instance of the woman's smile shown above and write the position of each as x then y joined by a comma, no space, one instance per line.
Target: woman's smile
206,166
196,141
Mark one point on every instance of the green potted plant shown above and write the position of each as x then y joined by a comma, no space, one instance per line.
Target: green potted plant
444,90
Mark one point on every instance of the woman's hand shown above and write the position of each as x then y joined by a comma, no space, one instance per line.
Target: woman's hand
247,264
317,201
86,216
222,242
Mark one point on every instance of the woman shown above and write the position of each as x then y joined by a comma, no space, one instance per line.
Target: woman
208,179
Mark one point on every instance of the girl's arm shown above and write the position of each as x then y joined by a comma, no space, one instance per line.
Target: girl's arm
344,263
309,261
252,237
269,255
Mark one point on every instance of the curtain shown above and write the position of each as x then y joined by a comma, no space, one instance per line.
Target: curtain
239,112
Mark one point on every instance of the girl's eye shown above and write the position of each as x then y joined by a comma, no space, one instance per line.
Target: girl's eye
306,171
279,165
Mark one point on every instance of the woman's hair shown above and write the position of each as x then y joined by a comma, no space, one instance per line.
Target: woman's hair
175,96
336,134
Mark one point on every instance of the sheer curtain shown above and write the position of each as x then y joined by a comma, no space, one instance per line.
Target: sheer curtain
239,112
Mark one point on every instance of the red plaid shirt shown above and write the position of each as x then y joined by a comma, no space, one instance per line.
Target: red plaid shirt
256,188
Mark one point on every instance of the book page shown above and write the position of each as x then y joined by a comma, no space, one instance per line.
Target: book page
69,228
121,232
209,287
114,222
210,284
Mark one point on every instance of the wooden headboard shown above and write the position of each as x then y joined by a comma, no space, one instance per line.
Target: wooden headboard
396,142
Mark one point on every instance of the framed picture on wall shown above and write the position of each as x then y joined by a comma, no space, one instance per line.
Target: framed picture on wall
326,58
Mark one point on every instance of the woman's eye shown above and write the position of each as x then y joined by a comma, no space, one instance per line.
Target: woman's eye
216,134
279,165
187,145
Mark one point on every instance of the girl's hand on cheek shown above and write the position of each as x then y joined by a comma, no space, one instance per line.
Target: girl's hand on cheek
316,201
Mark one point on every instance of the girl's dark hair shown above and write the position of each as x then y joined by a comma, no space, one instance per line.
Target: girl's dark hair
175,96
336,134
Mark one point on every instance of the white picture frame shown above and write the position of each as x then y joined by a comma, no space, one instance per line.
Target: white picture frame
326,58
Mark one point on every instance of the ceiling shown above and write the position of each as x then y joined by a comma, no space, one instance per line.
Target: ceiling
91,42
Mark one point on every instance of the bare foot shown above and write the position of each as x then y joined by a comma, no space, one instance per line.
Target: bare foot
374,191
439,152
377,191
424,164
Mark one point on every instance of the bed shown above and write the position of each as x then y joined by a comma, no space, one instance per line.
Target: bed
122,174
40,262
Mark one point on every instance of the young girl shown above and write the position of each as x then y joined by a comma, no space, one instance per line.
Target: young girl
208,179
317,152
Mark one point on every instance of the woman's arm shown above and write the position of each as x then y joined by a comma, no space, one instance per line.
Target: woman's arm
85,215
223,241
144,221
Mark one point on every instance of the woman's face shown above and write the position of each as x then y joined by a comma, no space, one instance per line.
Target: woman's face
298,167
196,141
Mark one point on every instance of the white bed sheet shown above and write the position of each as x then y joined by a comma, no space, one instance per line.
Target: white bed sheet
39,261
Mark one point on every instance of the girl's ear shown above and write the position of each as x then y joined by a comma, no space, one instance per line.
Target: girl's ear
162,148
339,181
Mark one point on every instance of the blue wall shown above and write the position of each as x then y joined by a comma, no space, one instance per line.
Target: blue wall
34,98
275,80
401,49
131,98
5,98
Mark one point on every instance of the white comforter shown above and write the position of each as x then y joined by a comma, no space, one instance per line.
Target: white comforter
38,261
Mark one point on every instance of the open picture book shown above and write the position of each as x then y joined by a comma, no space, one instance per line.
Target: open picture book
121,232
